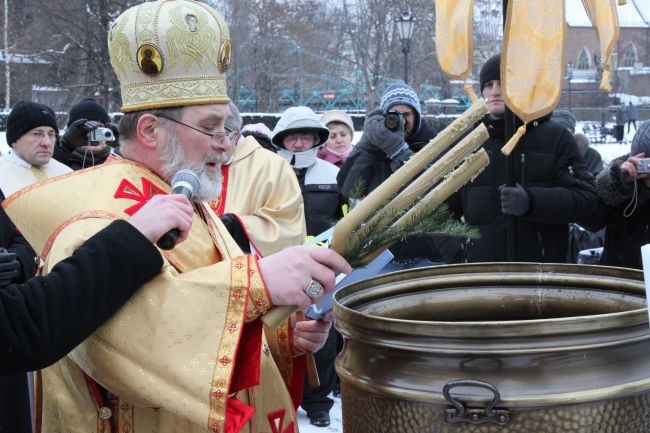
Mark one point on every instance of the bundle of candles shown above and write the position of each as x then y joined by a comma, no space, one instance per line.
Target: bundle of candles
408,203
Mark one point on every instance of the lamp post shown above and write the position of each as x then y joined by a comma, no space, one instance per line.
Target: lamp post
569,75
405,25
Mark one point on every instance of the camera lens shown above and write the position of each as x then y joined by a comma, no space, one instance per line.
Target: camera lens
392,121
107,134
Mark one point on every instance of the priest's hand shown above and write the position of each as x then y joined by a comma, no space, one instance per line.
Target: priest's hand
293,273
310,335
163,213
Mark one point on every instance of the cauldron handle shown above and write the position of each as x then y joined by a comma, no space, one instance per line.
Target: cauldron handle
472,415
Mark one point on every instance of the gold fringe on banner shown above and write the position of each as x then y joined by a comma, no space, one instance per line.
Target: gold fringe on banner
454,47
603,16
532,61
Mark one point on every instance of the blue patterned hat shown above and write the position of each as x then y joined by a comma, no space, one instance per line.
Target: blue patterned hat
400,93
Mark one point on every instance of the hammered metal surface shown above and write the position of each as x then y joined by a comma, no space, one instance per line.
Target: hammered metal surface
364,412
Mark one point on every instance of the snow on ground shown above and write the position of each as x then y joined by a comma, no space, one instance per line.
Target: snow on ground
336,425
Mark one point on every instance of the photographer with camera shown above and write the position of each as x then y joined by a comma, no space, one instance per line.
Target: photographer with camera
391,134
85,142
624,208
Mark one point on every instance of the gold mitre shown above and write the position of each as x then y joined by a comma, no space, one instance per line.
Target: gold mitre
170,53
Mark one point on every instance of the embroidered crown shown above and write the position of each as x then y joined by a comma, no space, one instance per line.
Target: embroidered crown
170,53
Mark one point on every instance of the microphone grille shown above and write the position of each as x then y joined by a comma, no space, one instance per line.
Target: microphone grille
188,178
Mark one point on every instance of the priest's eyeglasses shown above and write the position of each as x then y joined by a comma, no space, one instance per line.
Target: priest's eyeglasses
215,137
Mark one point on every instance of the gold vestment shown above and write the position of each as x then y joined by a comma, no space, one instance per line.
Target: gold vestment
186,350
262,190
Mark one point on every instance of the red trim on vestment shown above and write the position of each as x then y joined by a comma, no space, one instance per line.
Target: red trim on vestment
131,192
276,421
297,382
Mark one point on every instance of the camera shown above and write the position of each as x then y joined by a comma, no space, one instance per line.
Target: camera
102,134
644,165
393,120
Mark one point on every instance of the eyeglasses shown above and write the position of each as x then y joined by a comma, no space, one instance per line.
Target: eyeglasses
39,135
216,137
292,139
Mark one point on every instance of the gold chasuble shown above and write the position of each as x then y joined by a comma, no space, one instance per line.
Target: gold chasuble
454,46
186,353
603,16
532,66
262,190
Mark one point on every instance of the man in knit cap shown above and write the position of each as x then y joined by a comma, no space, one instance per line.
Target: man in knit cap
32,133
76,149
552,189
187,353
391,134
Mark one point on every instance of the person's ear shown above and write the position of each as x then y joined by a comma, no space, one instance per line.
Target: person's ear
148,130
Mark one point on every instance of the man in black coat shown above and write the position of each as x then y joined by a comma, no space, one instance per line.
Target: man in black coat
553,188
383,148
45,318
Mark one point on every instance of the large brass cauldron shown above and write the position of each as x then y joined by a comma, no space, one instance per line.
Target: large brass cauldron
496,347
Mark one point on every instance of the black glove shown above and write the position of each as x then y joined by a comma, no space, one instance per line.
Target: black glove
236,230
77,134
9,267
382,138
514,200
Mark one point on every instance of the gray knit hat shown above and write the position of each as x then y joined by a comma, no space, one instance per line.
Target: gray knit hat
565,118
641,140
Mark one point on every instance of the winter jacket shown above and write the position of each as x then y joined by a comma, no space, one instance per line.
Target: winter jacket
321,196
624,235
14,399
548,165
372,167
79,159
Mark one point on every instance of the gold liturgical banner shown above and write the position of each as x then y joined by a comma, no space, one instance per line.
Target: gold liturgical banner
454,39
532,64
604,18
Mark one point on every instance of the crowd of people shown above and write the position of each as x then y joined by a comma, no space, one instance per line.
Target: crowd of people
125,334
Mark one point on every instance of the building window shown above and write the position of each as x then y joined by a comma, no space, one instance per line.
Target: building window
584,59
630,55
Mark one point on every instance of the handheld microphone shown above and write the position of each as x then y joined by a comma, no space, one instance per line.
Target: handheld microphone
184,182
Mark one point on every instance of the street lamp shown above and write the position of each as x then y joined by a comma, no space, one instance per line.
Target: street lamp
405,26
569,75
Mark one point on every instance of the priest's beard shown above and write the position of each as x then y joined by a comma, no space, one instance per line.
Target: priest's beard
172,157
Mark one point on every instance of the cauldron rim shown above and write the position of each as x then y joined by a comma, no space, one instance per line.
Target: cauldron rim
628,281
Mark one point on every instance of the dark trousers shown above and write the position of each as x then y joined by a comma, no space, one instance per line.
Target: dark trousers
629,123
14,404
317,399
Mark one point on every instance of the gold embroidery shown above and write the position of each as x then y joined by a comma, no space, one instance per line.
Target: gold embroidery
194,42
228,345
119,45
259,299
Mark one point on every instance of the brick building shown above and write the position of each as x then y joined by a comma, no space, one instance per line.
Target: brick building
630,78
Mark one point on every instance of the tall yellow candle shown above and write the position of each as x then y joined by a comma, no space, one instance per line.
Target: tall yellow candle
378,197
